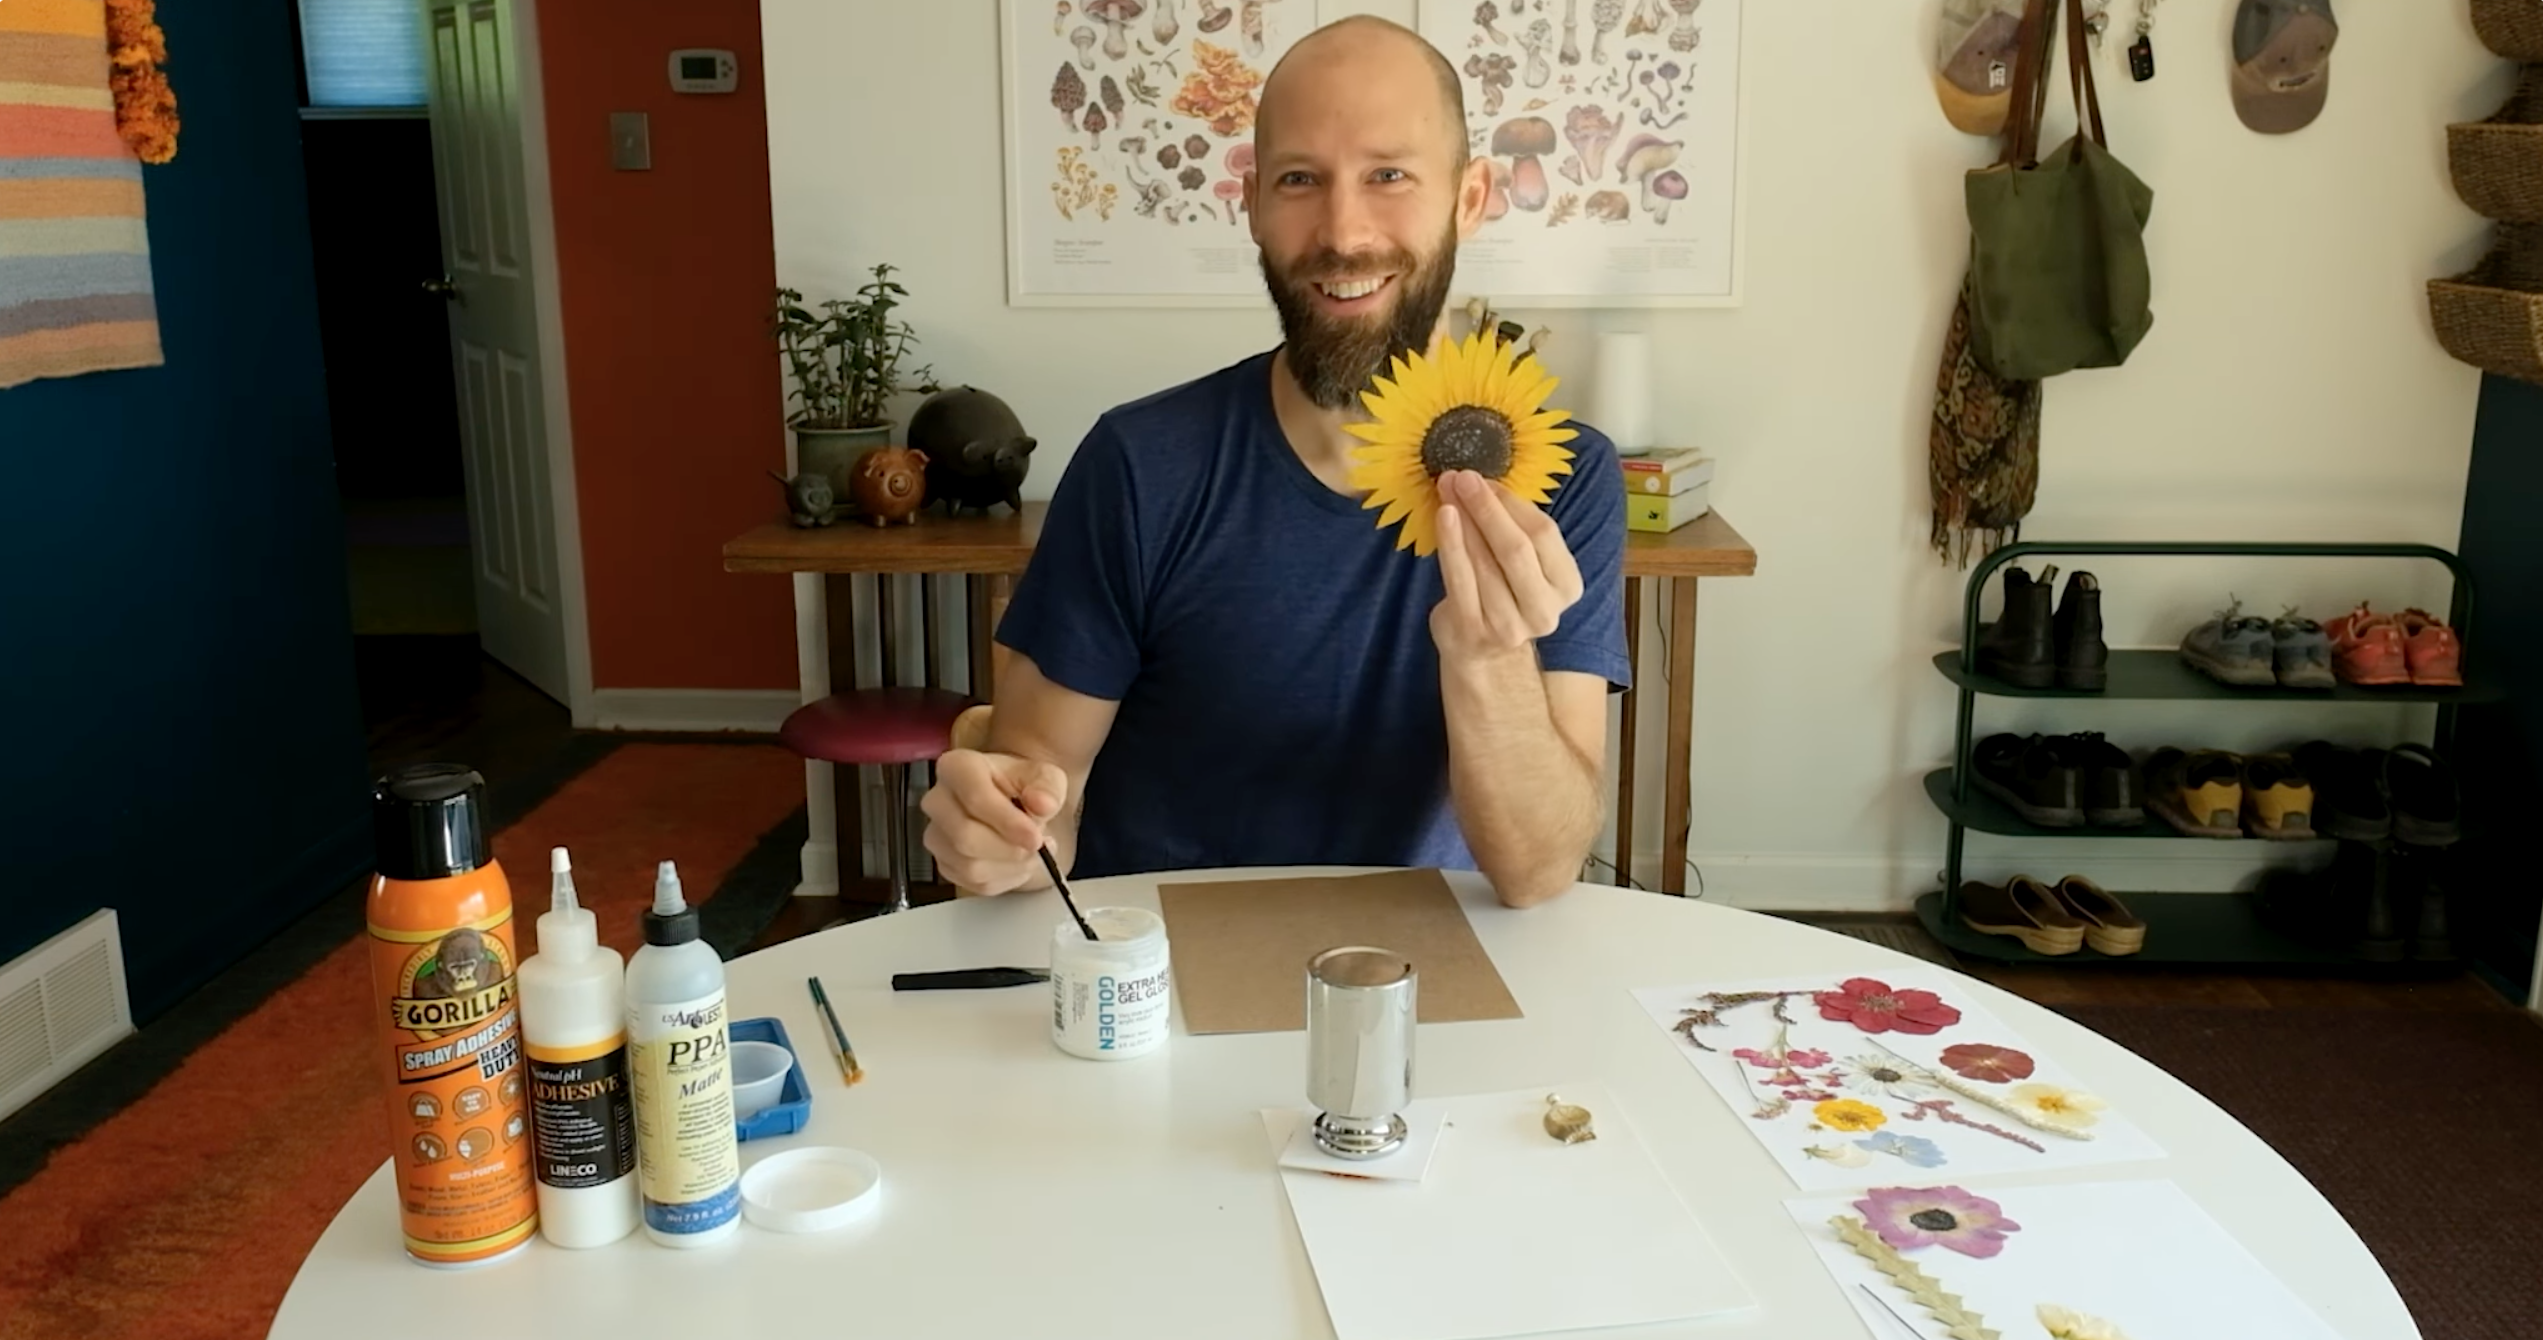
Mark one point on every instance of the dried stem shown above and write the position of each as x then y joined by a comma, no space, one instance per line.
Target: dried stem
1959,1322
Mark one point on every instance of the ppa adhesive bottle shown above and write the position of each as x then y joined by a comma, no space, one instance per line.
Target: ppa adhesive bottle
688,1160
582,1115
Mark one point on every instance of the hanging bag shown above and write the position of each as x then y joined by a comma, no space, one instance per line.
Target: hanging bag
2058,276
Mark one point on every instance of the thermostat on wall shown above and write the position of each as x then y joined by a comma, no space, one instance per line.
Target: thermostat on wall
699,70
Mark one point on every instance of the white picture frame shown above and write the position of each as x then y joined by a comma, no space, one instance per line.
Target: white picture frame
1697,245
1129,259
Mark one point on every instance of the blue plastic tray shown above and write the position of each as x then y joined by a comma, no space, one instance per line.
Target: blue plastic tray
793,1107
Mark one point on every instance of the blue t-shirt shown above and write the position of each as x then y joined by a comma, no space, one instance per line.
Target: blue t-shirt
1268,645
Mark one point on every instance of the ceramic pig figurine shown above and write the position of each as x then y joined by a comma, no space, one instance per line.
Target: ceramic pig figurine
976,449
809,501
891,485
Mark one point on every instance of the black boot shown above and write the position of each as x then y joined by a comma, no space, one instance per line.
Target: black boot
2430,942
2017,647
2370,871
2083,659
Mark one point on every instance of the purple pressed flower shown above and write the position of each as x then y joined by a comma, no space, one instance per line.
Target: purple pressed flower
1908,1218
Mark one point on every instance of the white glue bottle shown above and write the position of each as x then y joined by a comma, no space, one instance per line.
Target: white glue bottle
688,1162
574,1027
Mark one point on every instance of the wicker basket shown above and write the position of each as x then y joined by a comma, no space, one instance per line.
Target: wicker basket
2512,28
2498,163
2491,316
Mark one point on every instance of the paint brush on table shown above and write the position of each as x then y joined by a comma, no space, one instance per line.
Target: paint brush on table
849,1070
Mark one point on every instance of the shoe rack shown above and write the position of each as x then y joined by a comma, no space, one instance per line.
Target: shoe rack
2218,929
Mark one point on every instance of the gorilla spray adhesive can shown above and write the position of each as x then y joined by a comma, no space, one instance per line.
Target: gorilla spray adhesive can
442,963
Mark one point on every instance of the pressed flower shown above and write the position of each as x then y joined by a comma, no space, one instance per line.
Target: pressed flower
1847,1114
1910,1218
1477,406
2068,1324
2052,1106
1871,1005
1918,1151
1986,1063
1888,1074
1844,1156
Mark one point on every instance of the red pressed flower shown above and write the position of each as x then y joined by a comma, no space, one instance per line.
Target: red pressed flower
1987,1064
1873,1007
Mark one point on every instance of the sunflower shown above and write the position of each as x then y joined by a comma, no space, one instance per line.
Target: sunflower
1478,407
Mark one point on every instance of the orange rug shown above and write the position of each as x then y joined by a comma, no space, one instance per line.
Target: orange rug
187,1214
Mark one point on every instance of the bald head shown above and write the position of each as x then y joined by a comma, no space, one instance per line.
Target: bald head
1362,47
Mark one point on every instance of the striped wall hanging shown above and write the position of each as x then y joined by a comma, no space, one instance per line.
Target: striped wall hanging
75,287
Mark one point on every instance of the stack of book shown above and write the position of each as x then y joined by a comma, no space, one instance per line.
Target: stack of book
1666,489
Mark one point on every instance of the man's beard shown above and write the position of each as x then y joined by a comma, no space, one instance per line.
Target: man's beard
1335,359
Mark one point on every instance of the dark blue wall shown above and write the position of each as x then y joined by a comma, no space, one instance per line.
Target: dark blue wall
2500,746
176,661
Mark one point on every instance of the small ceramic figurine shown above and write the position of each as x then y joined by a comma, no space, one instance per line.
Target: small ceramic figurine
809,500
891,485
977,451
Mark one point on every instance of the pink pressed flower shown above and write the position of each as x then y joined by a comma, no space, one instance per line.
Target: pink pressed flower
1873,1007
1987,1064
1761,1060
1909,1218
1805,1059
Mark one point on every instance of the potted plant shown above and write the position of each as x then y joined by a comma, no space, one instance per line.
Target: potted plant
846,363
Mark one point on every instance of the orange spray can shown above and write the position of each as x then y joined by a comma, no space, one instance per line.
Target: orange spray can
442,962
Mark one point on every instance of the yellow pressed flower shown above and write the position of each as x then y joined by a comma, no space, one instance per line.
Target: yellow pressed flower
2056,1106
1847,1114
2067,1324
1478,405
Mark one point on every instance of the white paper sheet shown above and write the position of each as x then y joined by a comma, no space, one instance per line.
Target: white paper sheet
1882,1155
2140,1255
1511,1233
1424,1119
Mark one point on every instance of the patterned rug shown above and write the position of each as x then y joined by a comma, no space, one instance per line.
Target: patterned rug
187,1213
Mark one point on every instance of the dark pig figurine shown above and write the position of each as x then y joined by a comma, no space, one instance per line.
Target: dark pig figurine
977,451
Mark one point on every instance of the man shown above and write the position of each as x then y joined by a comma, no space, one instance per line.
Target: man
1218,658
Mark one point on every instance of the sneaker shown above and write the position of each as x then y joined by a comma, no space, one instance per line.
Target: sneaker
2277,799
2301,652
2420,788
2026,773
2368,649
2430,650
2348,796
2232,648
2199,794
2106,779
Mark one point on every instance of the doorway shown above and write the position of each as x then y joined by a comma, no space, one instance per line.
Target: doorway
429,325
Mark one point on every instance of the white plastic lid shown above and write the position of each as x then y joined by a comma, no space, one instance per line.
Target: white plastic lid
811,1190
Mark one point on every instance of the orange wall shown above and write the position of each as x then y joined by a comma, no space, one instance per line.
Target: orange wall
666,277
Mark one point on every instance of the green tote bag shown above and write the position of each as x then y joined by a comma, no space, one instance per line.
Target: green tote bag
2057,245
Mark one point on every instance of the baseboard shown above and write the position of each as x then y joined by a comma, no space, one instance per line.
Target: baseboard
1812,882
759,711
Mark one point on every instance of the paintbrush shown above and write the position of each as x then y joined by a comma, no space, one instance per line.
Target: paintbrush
1052,864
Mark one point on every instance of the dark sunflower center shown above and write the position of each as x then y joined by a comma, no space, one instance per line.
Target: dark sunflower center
1884,1075
1469,437
1934,1221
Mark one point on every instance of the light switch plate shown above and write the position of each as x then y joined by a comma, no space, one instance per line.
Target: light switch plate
630,141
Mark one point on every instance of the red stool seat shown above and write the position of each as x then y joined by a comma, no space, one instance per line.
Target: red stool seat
875,726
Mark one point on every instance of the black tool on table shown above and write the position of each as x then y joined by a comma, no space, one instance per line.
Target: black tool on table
968,979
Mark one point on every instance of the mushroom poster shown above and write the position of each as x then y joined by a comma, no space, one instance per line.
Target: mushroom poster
1612,127
1130,127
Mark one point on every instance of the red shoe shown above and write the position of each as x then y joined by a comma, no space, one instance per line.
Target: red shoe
2435,655
2368,649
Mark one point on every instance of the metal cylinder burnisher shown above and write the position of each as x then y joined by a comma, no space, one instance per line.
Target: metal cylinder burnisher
1360,1049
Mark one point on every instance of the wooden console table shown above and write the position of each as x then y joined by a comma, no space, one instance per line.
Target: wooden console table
990,550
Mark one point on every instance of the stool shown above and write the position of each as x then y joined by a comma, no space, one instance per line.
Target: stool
888,727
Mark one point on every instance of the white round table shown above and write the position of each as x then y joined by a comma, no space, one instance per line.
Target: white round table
1013,1174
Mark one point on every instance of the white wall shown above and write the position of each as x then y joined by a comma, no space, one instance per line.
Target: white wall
2290,390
